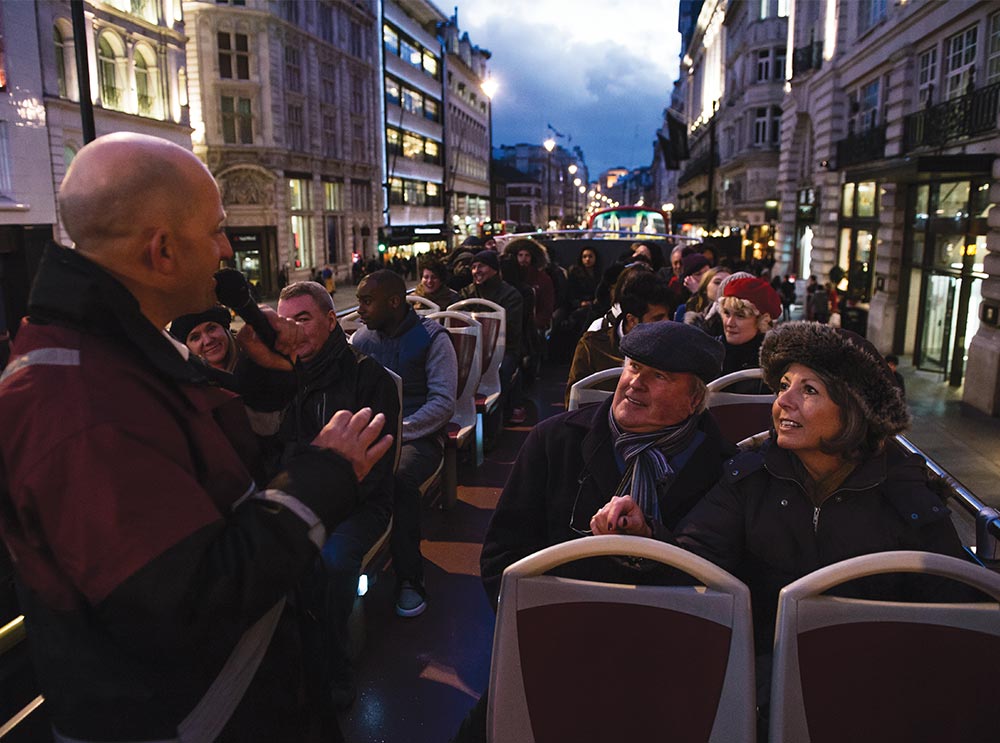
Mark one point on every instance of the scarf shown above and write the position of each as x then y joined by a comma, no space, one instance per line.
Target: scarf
646,460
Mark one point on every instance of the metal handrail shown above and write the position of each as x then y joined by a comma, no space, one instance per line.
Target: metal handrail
987,518
12,633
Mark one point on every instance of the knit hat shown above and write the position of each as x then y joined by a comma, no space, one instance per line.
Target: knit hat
845,356
183,325
472,242
674,347
692,264
461,256
758,292
489,257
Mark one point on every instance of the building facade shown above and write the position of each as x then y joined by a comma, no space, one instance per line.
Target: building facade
888,165
734,70
554,188
136,77
284,101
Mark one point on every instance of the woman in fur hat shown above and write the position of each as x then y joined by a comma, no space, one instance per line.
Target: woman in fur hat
826,486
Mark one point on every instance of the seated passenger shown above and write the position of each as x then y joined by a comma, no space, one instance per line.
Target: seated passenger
700,309
532,258
487,284
693,267
420,351
333,376
824,488
749,307
208,336
642,297
433,285
652,439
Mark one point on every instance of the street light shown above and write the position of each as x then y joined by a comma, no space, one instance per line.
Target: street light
549,145
489,87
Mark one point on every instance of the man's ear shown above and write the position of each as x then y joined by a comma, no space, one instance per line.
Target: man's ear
629,322
331,317
160,252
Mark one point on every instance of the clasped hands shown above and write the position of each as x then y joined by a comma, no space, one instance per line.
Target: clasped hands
620,515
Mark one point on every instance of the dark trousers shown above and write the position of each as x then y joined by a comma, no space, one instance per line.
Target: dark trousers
418,459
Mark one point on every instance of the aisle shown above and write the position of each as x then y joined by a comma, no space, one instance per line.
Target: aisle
417,678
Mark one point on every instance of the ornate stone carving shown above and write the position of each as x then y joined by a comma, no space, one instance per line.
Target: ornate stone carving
247,187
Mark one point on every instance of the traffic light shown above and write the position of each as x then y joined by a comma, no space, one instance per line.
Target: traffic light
381,247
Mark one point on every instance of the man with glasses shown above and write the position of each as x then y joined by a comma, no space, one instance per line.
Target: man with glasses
652,440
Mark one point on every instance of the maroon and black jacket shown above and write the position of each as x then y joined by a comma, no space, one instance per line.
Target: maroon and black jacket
143,547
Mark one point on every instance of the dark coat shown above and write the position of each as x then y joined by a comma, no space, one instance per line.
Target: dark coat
568,461
595,351
759,524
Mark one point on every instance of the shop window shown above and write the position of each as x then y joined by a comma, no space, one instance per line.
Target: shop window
867,193
299,222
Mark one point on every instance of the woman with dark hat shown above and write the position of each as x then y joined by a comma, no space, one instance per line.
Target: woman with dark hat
208,336
827,485
433,284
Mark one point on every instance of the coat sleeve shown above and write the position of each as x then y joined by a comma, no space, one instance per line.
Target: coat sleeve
519,525
714,528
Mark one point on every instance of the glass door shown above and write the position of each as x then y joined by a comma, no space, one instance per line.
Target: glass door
939,296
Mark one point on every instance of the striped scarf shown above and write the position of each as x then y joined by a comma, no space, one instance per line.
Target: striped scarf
646,456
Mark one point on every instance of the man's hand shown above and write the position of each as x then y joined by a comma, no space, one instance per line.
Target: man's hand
354,438
621,515
289,337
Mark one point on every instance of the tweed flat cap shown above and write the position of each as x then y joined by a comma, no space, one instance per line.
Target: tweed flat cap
489,257
675,347
183,325
846,357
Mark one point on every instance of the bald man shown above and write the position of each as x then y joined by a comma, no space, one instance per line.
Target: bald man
153,567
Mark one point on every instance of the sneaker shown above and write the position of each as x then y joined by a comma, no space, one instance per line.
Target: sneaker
518,416
410,601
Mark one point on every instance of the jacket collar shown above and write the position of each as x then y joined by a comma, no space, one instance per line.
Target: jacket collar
869,473
75,292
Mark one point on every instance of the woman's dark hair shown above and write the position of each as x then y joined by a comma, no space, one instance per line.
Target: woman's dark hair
597,258
856,440
436,267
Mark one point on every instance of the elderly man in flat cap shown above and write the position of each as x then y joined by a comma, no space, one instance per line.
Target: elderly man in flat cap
652,440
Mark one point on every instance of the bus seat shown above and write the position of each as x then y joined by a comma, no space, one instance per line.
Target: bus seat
859,670
422,305
680,664
590,388
739,416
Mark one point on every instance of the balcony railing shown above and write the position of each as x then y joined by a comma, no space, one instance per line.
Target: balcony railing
862,147
973,113
806,58
699,166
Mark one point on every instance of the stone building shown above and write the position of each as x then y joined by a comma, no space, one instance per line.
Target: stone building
887,176
284,101
136,75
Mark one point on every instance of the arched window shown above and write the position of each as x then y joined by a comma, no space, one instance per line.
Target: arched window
107,75
61,54
145,82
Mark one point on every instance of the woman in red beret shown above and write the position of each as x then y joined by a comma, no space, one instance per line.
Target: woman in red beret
749,307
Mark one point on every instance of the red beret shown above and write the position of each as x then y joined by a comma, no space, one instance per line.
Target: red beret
758,292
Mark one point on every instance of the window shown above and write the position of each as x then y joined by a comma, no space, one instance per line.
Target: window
237,120
293,69
393,141
355,39
357,95
993,52
413,145
775,127
359,139
390,40
289,10
432,110
392,91
959,61
432,152
765,8
782,8
763,65
63,50
143,93
234,56
298,204
107,75
779,63
760,126
333,196
870,12
868,106
326,31
927,75
413,101
294,127
330,148
328,82
361,195
410,52
431,65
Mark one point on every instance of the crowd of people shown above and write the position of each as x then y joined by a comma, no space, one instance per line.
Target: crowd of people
188,538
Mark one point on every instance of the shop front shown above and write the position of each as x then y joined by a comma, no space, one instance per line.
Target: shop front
255,253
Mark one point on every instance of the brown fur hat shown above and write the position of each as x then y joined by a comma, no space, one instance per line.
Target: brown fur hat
846,357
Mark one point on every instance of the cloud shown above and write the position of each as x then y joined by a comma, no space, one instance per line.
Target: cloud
599,72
